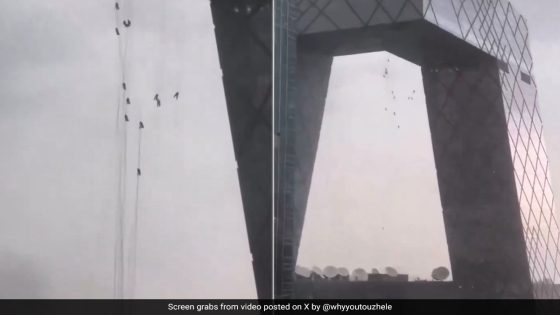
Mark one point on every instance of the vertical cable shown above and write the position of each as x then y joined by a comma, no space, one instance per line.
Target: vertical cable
118,277
134,231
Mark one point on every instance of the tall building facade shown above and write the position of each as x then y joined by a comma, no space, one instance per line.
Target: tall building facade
244,41
486,128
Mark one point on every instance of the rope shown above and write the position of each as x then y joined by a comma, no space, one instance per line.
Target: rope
134,231
118,276
120,286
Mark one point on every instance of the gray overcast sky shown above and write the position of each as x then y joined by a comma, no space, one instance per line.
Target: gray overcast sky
59,85
374,183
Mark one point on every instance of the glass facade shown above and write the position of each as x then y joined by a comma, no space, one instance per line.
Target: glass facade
496,28
495,78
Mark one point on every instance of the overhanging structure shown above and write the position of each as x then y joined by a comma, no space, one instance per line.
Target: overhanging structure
244,38
486,129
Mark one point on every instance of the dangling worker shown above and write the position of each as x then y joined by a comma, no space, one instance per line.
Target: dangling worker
156,98
176,95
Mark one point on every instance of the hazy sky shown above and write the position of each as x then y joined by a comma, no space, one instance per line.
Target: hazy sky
60,81
374,184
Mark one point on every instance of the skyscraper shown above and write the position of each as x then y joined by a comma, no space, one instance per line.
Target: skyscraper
486,128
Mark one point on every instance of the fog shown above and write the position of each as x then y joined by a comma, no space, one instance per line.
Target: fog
374,199
60,85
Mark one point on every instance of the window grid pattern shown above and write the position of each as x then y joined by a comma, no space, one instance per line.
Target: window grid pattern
497,29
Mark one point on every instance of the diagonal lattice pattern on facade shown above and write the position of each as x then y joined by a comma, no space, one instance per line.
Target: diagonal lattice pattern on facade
244,41
492,27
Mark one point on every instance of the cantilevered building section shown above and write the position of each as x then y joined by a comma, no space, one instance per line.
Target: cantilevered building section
244,40
486,129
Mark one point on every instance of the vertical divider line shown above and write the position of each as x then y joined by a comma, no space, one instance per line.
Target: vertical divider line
273,135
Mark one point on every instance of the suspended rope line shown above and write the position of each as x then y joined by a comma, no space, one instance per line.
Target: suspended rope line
134,232
118,278
121,57
130,270
127,219
117,283
133,253
159,66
